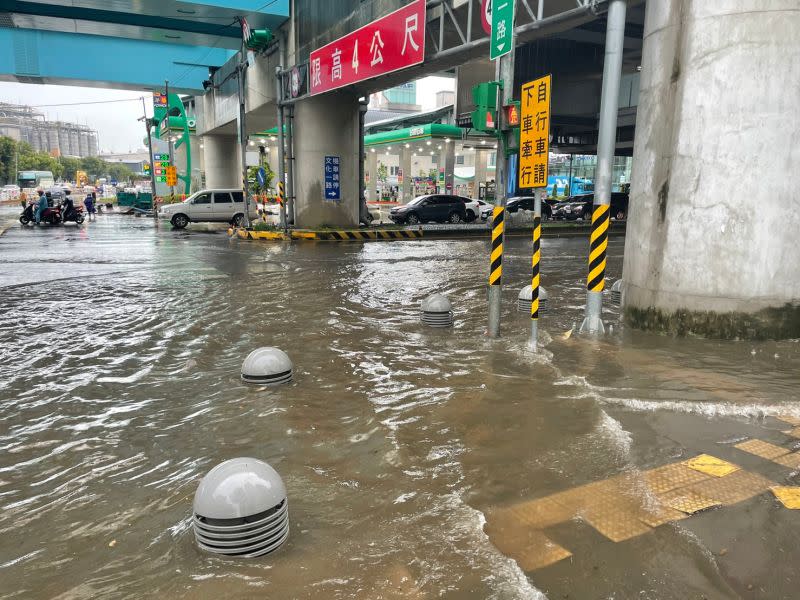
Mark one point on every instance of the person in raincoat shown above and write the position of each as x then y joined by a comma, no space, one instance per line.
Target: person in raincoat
41,206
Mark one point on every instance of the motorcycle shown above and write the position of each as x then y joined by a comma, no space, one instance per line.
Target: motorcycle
51,215
70,212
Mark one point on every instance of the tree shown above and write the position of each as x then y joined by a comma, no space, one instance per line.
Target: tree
255,187
94,167
38,161
119,172
383,173
71,166
8,153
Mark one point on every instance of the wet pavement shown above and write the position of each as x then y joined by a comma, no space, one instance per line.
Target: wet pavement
403,448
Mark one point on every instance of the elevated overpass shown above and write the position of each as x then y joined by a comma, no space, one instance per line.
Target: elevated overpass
710,109
127,44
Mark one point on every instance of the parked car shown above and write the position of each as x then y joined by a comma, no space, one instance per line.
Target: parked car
473,208
520,208
442,208
580,207
482,208
222,205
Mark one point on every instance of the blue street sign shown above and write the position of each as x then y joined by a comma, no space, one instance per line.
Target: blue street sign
261,176
332,182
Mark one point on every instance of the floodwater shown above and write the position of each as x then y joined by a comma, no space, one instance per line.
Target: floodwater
120,349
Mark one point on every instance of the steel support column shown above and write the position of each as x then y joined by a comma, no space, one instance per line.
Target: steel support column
606,141
505,73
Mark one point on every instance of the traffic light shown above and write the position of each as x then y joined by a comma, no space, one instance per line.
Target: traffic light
484,95
172,176
511,115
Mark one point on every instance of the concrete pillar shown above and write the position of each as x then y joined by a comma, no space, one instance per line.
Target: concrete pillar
221,158
406,191
481,160
372,170
447,160
711,246
326,125
449,152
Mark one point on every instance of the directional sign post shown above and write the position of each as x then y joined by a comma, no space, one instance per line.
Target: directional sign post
534,134
502,28
332,182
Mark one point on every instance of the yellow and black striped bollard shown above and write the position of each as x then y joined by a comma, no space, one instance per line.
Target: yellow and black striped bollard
496,271
535,259
595,280
598,245
496,265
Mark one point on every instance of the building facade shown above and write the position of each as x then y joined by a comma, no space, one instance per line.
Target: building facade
57,138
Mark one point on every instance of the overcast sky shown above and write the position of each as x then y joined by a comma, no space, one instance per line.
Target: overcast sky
115,122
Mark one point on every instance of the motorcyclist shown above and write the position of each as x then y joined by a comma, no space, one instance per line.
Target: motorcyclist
41,206
67,206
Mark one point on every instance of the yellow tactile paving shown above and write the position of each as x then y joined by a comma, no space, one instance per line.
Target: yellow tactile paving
793,432
616,518
762,449
711,465
791,420
688,501
540,513
627,505
791,460
527,545
658,514
789,496
732,488
671,477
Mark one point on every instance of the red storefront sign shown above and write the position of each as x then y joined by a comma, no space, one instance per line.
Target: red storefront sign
388,44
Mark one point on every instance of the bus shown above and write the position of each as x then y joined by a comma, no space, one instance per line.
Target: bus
28,180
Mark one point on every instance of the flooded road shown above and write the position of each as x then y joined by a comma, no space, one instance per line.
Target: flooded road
120,349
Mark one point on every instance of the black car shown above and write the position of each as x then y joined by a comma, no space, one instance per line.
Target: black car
442,208
518,203
580,207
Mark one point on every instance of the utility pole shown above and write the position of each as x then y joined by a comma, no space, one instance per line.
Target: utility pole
505,75
281,158
241,68
147,124
606,144
169,140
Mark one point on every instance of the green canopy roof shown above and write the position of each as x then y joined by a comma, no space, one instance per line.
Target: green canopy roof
418,132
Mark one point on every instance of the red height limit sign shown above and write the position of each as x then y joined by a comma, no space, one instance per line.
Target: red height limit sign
388,44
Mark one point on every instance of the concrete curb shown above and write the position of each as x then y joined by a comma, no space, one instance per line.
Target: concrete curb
365,235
